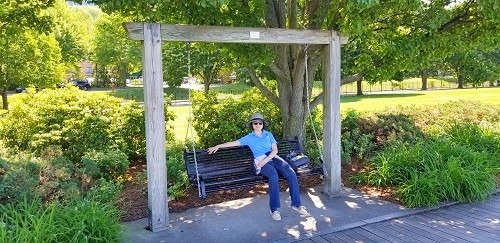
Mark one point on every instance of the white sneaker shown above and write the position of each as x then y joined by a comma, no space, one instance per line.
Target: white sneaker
301,209
276,215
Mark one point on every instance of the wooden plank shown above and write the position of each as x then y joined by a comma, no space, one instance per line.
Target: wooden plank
390,228
476,232
422,234
360,234
370,235
381,233
331,238
305,241
331,118
436,234
319,239
478,217
226,34
155,129
347,237
438,224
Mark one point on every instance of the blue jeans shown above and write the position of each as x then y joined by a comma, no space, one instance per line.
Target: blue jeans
271,170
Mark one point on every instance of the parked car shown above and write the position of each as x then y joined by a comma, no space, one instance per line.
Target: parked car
20,89
82,84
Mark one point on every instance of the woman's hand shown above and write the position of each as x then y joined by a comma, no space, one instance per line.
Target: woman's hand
213,149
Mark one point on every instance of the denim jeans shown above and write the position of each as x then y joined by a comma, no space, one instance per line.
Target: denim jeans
271,170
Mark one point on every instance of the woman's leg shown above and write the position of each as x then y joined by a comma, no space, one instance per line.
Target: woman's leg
286,170
270,172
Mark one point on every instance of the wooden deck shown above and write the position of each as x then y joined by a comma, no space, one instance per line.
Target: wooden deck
478,222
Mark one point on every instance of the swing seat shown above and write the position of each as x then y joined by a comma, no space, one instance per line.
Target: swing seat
232,168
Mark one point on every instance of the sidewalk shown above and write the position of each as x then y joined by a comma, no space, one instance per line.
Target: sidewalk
249,220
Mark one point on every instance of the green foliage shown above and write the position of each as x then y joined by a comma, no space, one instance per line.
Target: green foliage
18,179
28,221
357,136
114,53
433,171
105,164
78,221
222,121
104,191
176,170
76,121
400,127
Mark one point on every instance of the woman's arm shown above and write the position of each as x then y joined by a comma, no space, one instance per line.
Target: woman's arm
214,149
271,155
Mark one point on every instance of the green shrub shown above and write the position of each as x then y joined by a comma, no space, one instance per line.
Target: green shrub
76,121
176,170
104,191
432,171
222,121
357,136
105,164
397,127
18,179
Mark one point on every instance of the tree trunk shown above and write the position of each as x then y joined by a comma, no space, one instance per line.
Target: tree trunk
206,82
460,81
423,73
5,105
359,88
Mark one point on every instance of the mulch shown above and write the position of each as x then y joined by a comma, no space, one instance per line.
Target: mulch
133,199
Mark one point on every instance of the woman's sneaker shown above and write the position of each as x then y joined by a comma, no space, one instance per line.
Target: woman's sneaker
276,215
301,209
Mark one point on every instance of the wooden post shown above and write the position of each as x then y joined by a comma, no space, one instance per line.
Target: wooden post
155,128
331,117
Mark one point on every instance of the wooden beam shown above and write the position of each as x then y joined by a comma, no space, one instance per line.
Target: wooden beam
199,33
155,128
331,117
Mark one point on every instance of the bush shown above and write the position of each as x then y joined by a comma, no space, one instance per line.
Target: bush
222,121
433,171
105,164
76,121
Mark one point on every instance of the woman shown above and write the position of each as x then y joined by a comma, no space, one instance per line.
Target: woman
265,150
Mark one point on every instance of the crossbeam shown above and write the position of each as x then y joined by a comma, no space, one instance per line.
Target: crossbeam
223,34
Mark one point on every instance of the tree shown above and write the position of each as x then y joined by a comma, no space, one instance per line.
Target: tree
114,54
29,52
381,35
475,67
73,28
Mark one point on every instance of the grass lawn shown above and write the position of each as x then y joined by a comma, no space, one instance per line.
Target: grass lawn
378,102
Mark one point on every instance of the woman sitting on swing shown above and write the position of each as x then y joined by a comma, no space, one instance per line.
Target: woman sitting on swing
267,162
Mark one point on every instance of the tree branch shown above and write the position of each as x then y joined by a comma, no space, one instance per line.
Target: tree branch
319,98
265,91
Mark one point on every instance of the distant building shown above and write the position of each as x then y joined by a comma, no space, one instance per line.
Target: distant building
84,3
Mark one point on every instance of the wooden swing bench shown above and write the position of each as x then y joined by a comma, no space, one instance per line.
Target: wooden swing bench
232,168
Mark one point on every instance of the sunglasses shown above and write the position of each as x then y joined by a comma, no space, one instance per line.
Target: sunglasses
258,123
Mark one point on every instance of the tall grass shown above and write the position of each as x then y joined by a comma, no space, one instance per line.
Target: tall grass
460,165
78,221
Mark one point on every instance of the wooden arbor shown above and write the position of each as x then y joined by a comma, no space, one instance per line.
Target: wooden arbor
152,35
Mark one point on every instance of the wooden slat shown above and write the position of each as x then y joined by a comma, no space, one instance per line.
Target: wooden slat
370,235
225,34
430,230
385,235
437,224
458,223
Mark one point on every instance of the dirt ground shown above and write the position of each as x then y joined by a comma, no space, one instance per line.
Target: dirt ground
133,200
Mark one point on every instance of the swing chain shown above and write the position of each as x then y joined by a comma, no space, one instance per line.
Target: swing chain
307,102
190,126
